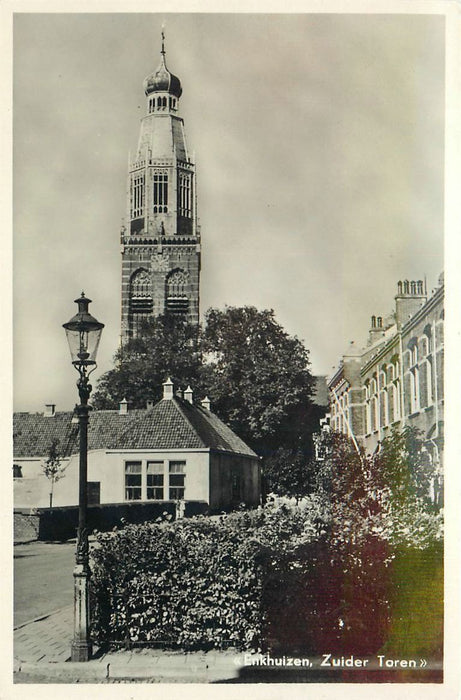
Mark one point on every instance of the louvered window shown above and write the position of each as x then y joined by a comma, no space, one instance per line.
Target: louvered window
184,194
137,195
160,199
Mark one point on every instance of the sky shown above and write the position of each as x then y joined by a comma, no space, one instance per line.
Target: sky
319,148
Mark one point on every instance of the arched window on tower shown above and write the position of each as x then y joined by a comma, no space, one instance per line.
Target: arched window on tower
141,303
177,283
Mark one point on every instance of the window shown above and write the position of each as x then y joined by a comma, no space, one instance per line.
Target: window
155,480
133,481
137,195
141,302
429,381
176,479
147,480
17,471
367,417
184,195
176,297
140,284
396,407
414,389
384,412
160,191
374,414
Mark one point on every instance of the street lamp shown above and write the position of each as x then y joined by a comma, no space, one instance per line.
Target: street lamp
83,334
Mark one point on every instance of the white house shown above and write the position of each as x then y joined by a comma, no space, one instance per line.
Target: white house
174,450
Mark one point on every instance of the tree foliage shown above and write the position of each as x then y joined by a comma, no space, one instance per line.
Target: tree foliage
52,467
166,347
257,377
287,472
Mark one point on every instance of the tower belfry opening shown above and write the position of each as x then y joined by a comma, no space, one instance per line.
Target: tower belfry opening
160,242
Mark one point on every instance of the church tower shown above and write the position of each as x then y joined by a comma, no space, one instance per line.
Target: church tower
160,243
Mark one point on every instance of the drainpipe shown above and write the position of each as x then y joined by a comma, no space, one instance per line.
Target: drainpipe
436,392
402,383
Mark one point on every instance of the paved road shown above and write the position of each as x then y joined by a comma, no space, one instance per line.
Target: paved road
43,580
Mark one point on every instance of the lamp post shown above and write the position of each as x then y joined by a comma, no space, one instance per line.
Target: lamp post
83,334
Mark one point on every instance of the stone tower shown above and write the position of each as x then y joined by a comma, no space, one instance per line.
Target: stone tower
160,243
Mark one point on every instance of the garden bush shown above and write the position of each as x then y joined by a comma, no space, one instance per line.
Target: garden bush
195,583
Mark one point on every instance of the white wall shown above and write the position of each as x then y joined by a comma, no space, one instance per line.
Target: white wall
33,489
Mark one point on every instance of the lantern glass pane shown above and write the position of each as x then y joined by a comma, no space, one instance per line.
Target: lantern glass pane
83,345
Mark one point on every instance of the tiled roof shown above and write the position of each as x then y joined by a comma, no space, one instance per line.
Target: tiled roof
33,434
214,432
170,424
177,424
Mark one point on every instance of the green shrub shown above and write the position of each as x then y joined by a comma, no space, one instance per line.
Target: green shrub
195,583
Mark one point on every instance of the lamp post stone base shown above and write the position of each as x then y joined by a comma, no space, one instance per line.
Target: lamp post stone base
81,646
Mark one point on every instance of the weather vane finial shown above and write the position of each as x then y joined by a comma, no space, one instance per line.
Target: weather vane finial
163,38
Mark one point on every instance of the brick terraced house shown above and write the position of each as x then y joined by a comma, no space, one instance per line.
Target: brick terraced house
397,379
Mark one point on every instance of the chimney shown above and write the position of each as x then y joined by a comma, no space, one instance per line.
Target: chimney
411,296
206,403
123,407
50,410
168,389
189,395
149,404
376,330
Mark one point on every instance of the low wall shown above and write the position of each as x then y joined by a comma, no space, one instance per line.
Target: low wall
25,526
61,523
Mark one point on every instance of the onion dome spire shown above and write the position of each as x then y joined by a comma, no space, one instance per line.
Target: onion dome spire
162,80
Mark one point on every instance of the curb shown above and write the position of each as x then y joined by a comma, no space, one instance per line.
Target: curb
24,542
58,669
107,671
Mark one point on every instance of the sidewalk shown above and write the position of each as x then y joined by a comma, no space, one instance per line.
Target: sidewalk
42,653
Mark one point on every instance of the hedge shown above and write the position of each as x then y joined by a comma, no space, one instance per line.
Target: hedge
279,578
195,583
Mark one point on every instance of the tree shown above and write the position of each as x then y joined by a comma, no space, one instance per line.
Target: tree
166,347
403,466
286,473
258,378
52,467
